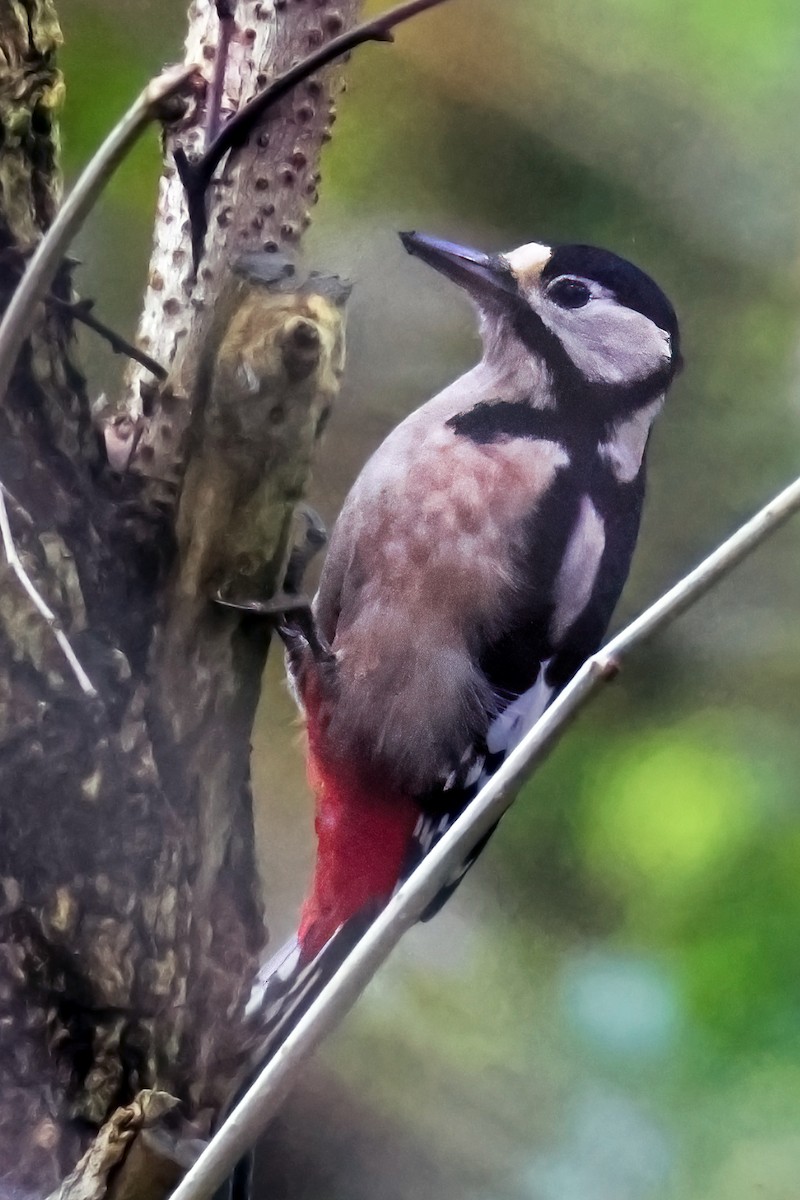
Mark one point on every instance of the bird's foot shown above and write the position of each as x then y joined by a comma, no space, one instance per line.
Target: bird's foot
314,537
293,618
290,609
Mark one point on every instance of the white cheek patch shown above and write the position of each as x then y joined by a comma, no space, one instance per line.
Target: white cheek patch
609,343
578,574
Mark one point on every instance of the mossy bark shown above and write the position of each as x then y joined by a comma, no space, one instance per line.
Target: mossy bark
130,912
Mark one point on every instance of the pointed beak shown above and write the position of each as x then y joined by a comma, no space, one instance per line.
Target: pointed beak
485,277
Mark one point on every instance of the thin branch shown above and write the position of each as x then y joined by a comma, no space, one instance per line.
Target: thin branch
81,310
42,268
260,1104
13,559
236,131
226,16
196,176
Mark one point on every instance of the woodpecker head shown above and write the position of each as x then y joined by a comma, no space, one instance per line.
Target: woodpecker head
594,318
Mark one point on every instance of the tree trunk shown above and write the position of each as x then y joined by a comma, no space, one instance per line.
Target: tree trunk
130,915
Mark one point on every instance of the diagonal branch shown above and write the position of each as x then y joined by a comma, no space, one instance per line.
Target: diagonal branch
81,310
44,264
260,1104
38,601
238,128
196,176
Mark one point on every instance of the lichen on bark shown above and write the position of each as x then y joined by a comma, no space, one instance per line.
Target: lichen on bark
130,913
31,92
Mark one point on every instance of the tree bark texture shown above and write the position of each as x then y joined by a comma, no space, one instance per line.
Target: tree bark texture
130,914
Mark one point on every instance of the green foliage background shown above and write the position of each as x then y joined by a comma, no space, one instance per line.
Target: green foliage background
610,1010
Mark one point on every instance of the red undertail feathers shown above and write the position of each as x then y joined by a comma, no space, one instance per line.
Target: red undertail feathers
364,831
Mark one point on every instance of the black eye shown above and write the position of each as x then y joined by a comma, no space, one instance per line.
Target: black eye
569,293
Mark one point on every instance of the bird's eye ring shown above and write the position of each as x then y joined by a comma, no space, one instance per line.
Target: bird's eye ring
567,292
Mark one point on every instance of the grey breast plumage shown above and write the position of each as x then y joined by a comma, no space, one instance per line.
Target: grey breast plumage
480,553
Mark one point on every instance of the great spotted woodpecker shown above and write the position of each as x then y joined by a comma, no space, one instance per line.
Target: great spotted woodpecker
475,565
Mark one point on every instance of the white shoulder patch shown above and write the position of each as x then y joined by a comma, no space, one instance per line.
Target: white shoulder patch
578,573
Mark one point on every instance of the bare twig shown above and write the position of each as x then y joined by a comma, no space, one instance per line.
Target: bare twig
44,264
236,131
13,559
226,16
250,1117
196,176
81,310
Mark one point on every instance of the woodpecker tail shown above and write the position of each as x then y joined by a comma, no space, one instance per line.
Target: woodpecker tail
285,988
289,983
369,841
364,834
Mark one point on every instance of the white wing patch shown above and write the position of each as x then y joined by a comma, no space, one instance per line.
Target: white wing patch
504,733
428,830
509,728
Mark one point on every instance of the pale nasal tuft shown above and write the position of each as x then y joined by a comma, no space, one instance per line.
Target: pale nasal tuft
527,262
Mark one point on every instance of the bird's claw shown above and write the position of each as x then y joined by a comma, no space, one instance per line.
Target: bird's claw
289,608
293,618
314,537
